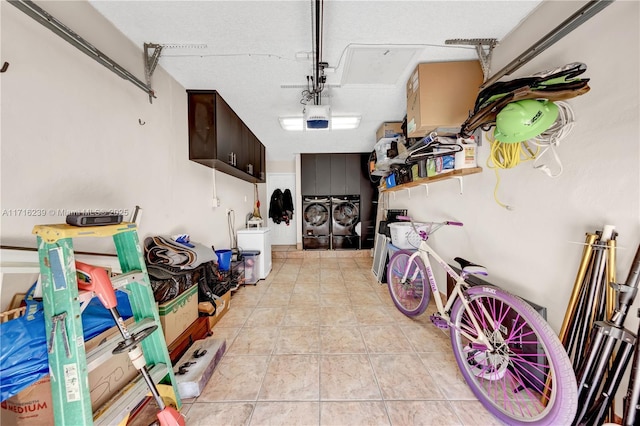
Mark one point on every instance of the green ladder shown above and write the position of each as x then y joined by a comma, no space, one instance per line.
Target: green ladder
61,301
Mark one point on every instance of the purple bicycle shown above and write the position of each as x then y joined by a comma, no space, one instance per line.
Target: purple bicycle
508,354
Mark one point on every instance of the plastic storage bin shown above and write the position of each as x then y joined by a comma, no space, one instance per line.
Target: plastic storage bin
251,266
404,237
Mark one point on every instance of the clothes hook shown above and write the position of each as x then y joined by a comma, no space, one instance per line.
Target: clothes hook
4,67
142,123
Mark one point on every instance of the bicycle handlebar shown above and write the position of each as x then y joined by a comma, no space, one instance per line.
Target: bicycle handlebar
408,218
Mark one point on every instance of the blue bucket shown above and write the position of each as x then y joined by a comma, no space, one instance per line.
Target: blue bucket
224,259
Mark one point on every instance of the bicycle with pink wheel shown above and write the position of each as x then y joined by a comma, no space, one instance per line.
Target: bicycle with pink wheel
508,354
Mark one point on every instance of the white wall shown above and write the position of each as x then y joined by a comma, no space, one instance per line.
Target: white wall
71,137
283,234
534,250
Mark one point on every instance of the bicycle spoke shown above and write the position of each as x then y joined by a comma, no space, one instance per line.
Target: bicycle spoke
516,375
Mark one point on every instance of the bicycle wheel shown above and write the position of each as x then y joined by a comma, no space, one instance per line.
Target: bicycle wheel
527,379
410,297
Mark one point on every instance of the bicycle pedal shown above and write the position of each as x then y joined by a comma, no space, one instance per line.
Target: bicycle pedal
439,322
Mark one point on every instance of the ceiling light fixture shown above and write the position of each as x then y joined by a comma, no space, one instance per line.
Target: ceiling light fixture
297,123
315,116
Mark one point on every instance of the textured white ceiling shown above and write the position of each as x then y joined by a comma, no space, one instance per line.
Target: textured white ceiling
252,46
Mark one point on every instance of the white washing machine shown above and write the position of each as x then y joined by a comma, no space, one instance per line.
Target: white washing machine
257,239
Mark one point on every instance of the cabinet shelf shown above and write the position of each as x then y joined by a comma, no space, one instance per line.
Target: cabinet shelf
422,181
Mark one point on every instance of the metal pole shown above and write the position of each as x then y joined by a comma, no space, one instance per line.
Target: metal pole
568,25
577,286
75,40
631,413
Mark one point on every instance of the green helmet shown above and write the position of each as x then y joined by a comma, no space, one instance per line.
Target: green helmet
522,120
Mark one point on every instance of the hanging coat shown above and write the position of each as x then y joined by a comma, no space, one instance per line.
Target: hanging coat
287,203
276,206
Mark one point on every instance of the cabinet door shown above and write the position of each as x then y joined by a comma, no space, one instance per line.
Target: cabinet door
259,169
202,136
308,174
337,176
245,149
252,150
228,132
323,174
263,163
353,172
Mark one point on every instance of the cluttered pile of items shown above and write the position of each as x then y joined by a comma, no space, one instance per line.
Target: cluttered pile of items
523,119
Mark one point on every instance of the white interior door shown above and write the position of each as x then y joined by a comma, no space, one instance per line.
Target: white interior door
281,234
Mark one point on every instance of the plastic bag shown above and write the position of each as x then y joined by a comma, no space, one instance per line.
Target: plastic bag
24,358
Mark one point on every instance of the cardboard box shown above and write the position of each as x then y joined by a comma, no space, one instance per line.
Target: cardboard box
33,405
441,95
178,314
112,375
389,129
221,309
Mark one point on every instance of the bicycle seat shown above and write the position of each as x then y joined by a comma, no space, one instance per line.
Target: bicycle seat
470,267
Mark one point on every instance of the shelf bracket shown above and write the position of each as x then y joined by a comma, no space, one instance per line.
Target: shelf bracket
484,48
150,62
426,187
459,178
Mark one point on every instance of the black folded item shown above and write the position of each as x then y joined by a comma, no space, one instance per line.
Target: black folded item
392,214
169,282
384,229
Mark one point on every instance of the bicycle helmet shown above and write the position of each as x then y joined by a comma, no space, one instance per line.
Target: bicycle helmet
522,120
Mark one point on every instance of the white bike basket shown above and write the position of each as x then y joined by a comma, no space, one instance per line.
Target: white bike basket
404,237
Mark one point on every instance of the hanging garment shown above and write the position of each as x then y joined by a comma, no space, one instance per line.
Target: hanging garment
276,206
554,85
287,205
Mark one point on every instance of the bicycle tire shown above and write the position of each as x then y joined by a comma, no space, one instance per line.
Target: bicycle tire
411,298
528,360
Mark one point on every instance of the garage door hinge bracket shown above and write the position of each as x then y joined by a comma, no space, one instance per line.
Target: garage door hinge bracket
484,48
150,62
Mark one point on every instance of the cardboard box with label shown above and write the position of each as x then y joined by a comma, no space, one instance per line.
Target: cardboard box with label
221,309
390,129
441,95
33,405
179,313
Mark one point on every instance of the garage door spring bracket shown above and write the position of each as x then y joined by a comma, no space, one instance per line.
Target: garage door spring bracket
150,63
484,48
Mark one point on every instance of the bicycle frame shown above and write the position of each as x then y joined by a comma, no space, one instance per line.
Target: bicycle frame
425,252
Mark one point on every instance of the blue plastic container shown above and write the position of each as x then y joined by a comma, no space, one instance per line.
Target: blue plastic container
224,259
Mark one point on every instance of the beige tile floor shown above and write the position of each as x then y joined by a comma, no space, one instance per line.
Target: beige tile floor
319,342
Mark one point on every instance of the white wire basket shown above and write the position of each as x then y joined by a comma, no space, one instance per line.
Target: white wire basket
404,237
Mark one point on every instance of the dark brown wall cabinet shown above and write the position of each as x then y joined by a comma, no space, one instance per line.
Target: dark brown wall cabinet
219,139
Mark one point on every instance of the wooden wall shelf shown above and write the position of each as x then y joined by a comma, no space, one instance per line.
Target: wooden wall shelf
424,181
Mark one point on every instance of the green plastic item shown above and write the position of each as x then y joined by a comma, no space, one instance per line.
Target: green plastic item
70,393
522,120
